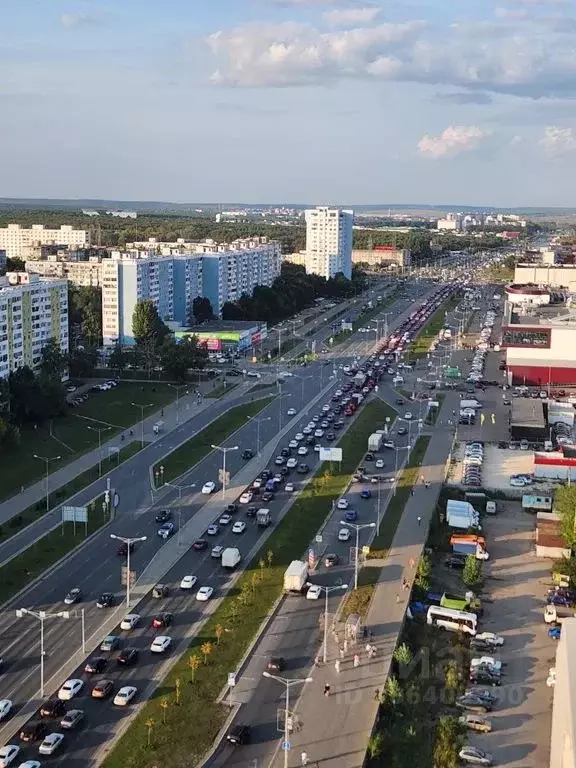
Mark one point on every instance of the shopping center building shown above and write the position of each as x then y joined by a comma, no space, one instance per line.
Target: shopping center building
562,747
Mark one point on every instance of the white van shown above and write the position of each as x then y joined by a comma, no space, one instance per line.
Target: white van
397,380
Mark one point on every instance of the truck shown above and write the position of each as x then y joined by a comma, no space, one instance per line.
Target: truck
555,614
360,379
470,404
230,558
263,518
296,577
375,441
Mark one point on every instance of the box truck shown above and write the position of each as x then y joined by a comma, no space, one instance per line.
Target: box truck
231,557
296,577
263,518
470,404
375,441
360,379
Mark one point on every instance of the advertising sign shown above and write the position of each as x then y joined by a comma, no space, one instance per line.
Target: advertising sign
74,514
330,454
213,345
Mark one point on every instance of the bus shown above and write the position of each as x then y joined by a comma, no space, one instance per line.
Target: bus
449,618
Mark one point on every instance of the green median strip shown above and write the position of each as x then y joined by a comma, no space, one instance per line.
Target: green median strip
179,724
195,449
422,343
48,550
221,390
34,512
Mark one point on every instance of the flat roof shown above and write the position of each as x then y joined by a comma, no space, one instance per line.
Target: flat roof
528,413
226,325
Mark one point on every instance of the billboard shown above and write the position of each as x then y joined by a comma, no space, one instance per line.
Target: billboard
74,514
212,345
330,454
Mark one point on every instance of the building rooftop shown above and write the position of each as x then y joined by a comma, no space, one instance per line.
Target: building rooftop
226,325
527,413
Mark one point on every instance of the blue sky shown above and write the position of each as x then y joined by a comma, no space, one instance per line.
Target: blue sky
316,101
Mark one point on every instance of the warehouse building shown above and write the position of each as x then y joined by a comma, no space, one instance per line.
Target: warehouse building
527,420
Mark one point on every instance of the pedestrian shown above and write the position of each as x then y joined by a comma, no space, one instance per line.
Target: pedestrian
341,651
397,598
412,562
304,759
427,484
337,666
317,661
412,491
368,648
377,694
419,520
345,645
326,689
356,660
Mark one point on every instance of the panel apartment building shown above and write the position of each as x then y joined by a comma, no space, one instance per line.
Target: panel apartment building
19,242
32,311
329,241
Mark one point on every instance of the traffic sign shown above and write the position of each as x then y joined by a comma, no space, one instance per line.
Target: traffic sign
286,746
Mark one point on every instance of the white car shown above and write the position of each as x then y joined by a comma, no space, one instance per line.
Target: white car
161,644
70,689
325,408
298,437
257,483
307,430
213,529
217,551
239,527
302,451
344,534
408,415
286,374
342,504
490,638
8,754
291,411
51,743
225,519
319,433
289,487
475,756
208,487
292,463
30,764
129,621
246,497
188,582
314,592
204,594
379,464
293,444
317,447
125,695
5,707
517,482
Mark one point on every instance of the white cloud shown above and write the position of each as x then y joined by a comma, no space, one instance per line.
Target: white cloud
512,14
558,141
79,19
351,16
515,140
452,141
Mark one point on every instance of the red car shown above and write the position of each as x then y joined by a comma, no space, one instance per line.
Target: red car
199,545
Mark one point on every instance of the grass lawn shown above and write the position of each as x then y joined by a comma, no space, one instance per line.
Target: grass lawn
69,436
215,433
221,389
58,496
20,571
192,724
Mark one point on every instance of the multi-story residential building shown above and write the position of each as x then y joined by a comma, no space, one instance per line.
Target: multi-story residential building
3,258
329,241
88,273
33,310
17,240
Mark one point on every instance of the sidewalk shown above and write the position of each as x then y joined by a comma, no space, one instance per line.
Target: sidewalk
172,417
336,729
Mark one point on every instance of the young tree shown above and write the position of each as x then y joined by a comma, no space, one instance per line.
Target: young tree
424,573
201,310
149,728
472,571
147,326
206,649
193,665
164,704
448,743
218,632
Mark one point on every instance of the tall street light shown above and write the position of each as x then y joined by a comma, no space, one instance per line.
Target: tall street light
280,396
327,591
41,616
303,379
399,448
288,683
142,407
128,541
180,488
99,430
178,387
258,420
357,528
47,461
224,451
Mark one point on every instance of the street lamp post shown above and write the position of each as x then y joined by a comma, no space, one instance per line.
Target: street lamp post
178,387
357,528
180,488
258,419
224,451
303,379
142,407
128,541
47,461
41,616
280,396
288,683
99,430
399,448
327,591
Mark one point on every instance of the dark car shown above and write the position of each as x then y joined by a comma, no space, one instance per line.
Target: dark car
161,620
330,560
399,401
251,511
106,600
285,452
267,496
231,509
163,516
402,431
199,545
330,436
122,550
71,719
52,708
248,454
473,703
96,665
275,664
365,494
239,734
102,689
455,562
484,677
303,469
34,731
127,657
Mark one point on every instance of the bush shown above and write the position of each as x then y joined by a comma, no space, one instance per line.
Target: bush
472,571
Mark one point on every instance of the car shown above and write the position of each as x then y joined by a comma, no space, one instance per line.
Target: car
102,689
401,431
314,592
342,504
124,548
70,689
276,664
226,519
127,657
5,708
389,444
51,743
251,511
455,562
204,593
517,482
299,436
379,464
267,496
474,756
408,415
161,644
247,454
302,450
74,596
129,621
344,534
216,552
490,638
110,643
199,545
188,581
366,493
166,530
52,708
125,695
476,723
474,703
161,620
484,676
106,600
35,730
291,412
213,529
350,515
292,463
95,665
163,516
239,527
330,560
307,430
238,735
279,461
293,444
71,719
208,488
319,433
8,754
231,509
303,469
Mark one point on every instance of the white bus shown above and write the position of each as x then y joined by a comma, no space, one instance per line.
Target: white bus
448,618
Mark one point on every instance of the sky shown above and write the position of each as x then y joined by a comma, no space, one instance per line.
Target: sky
296,101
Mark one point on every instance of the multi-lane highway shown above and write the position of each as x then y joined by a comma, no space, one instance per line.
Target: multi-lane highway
96,568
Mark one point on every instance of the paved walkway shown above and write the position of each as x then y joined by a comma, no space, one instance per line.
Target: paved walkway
336,729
